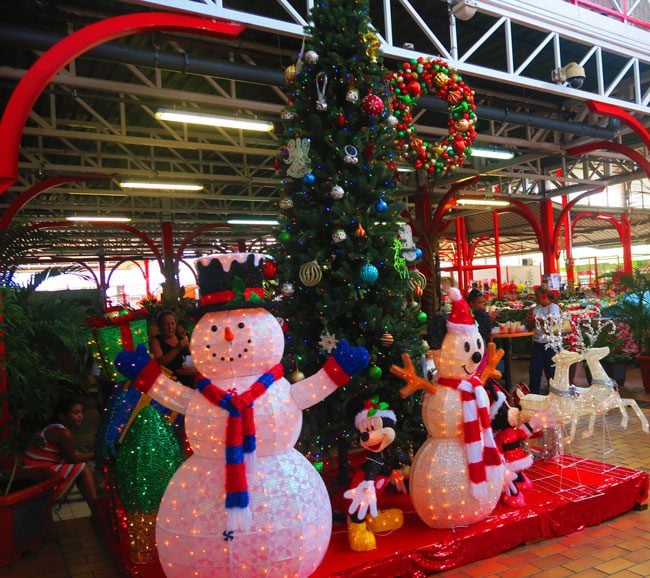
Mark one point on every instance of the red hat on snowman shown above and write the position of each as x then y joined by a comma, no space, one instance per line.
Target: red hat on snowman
461,319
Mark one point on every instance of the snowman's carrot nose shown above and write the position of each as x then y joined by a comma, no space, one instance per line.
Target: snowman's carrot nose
228,334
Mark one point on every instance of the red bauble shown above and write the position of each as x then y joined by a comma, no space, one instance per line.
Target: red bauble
269,269
373,105
414,88
341,120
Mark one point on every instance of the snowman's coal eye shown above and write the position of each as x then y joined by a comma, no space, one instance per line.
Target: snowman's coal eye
478,343
214,328
467,346
241,325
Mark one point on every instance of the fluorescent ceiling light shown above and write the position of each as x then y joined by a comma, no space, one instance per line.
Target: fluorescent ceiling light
492,153
213,120
483,202
252,222
161,186
99,219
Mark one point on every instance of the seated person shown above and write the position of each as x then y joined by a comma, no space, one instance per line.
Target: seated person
484,319
170,351
57,452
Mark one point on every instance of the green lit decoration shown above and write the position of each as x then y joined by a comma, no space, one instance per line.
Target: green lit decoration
146,462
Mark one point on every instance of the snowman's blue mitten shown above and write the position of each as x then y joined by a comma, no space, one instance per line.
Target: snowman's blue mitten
345,362
138,367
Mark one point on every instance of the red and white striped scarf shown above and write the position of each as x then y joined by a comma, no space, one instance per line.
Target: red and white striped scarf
484,462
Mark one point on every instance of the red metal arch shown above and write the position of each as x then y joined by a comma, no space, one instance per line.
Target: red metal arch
638,158
565,210
601,217
524,211
39,188
473,245
121,262
446,203
53,60
147,241
623,116
194,234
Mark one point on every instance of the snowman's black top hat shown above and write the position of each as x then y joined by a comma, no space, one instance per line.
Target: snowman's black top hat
231,281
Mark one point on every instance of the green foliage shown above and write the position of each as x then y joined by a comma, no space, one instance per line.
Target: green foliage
632,306
15,243
45,349
342,303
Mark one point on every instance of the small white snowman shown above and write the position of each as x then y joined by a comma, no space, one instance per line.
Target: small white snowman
457,474
225,514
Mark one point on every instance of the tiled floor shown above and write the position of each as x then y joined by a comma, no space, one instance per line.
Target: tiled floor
619,548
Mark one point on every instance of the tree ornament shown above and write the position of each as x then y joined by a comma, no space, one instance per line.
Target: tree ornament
352,95
375,372
369,151
433,75
285,203
381,206
311,57
284,236
341,120
269,270
296,376
371,40
328,342
369,273
373,105
298,157
337,192
418,253
287,289
392,120
310,273
287,114
360,233
386,340
351,155
339,235
290,73
417,279
422,317
309,179
321,87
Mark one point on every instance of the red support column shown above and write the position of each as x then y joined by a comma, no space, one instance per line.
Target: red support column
422,228
626,241
568,244
103,287
548,249
147,279
497,250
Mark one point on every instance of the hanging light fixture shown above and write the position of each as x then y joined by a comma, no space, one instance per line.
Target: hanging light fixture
98,219
160,186
488,153
483,202
214,120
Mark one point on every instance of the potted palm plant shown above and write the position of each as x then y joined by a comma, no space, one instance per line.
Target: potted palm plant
632,307
44,345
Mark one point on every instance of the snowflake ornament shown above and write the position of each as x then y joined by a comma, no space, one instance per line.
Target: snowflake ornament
328,342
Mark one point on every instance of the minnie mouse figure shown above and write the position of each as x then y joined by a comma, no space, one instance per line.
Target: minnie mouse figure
509,434
375,423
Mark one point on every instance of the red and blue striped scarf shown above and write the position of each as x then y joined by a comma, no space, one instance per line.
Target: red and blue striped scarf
240,439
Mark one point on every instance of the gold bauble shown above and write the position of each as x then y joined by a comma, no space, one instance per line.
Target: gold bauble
462,125
454,97
372,45
441,79
290,73
417,279
296,376
310,273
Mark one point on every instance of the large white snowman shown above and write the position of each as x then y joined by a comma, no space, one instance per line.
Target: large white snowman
246,503
457,474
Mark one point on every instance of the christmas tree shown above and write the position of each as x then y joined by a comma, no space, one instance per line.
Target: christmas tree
341,264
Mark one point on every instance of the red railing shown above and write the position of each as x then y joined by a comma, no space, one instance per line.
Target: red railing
620,11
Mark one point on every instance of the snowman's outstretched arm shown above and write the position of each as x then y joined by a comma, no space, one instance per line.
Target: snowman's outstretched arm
345,362
147,376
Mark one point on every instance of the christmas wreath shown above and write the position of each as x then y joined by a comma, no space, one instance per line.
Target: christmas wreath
422,76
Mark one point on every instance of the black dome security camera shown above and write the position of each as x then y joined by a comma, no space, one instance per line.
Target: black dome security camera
572,75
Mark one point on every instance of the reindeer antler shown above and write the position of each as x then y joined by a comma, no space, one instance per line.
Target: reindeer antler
494,356
413,382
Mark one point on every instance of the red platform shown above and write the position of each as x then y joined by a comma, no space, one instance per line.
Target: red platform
569,493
